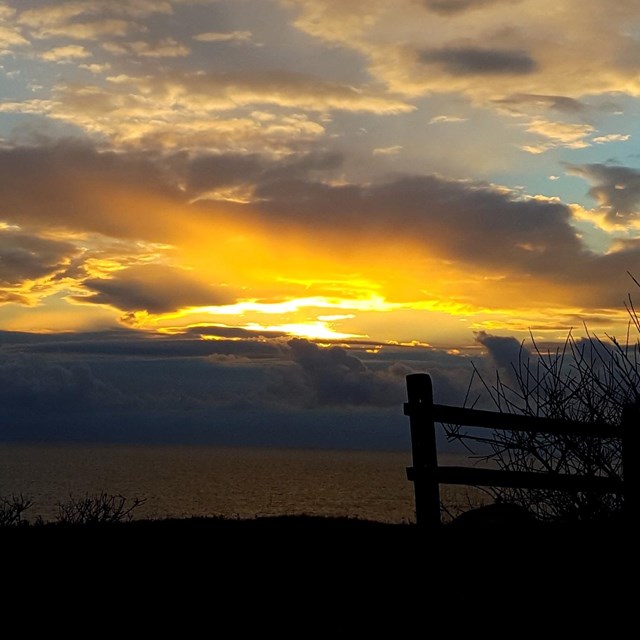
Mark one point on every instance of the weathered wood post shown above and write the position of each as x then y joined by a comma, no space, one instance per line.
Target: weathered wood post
630,455
419,408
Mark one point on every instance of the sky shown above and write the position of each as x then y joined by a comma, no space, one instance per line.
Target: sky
271,209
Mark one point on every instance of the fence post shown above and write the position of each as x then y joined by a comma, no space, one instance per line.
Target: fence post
630,453
423,449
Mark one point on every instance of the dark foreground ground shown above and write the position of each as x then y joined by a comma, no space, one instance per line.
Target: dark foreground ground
307,576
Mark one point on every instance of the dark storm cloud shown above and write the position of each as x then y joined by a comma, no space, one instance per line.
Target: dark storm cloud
507,358
152,288
466,61
117,386
505,351
615,188
304,373
24,339
331,376
29,257
31,382
451,7
134,344
563,104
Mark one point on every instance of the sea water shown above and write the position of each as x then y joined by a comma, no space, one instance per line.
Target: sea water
183,481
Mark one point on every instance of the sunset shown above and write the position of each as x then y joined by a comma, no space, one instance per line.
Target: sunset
243,223
328,170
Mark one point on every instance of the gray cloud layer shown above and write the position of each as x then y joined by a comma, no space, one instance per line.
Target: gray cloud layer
505,351
451,7
126,387
463,61
333,376
562,104
32,382
152,288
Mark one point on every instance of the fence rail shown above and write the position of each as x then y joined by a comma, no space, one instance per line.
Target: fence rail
427,475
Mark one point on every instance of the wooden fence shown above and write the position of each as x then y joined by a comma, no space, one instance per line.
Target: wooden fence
427,475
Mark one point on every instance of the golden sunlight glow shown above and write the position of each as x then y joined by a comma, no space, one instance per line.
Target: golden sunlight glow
320,286
373,303
314,330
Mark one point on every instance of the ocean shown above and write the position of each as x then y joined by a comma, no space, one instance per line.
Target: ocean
183,481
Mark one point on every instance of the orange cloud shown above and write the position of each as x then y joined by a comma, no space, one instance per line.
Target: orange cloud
414,253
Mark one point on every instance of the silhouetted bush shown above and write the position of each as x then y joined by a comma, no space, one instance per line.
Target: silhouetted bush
589,379
12,510
97,509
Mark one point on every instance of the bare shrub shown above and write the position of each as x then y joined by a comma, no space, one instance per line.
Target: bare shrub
12,510
590,379
97,509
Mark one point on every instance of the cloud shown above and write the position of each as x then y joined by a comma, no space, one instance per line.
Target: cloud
58,16
450,7
537,255
222,331
32,383
127,195
331,376
95,68
446,119
65,54
388,151
10,36
81,189
152,198
165,48
462,61
29,257
84,30
616,189
455,220
152,288
31,266
6,12
205,110
208,172
558,134
444,50
229,36
505,351
612,137
124,344
219,91
129,119
562,104
159,389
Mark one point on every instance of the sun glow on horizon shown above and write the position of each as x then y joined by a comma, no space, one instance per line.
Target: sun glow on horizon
317,330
